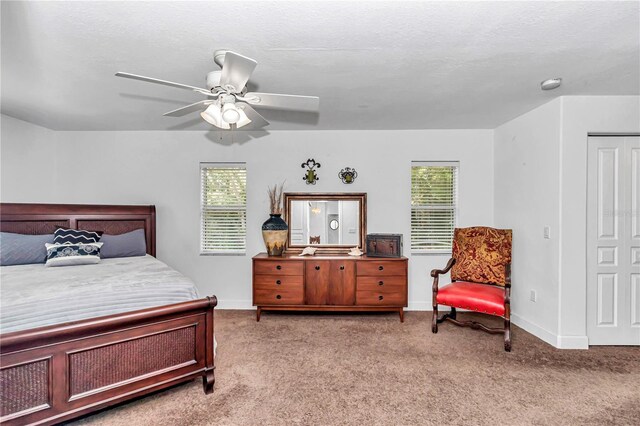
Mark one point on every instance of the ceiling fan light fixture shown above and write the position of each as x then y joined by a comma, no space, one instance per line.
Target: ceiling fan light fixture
230,113
213,116
244,120
224,88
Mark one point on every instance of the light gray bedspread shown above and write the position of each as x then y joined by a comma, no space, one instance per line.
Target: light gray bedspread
36,295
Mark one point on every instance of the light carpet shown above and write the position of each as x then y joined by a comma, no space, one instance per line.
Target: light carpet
370,369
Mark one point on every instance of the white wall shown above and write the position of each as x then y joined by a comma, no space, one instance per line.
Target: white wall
540,180
28,159
541,176
527,198
582,115
162,168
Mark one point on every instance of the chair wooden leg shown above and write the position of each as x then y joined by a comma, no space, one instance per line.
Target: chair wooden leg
451,316
434,319
507,335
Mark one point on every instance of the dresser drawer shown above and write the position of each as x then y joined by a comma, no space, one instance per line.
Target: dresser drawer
285,295
278,281
382,267
275,267
379,298
384,283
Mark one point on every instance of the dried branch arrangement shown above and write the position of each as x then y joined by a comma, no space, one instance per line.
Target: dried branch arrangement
275,198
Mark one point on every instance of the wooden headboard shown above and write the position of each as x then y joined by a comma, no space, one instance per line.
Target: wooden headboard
45,218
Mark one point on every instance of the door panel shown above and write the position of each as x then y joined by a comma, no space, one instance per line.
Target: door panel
607,299
635,192
635,300
613,241
607,192
608,256
330,282
342,283
317,274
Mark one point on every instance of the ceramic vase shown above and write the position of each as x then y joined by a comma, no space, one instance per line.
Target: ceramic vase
274,233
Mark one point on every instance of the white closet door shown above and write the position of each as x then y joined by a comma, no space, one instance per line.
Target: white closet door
613,241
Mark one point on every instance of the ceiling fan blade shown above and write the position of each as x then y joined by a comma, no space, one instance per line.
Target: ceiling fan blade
164,82
198,106
257,121
276,101
236,71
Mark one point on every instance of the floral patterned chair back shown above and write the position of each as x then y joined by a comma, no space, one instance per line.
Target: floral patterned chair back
482,255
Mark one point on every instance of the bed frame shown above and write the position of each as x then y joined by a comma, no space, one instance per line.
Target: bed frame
55,373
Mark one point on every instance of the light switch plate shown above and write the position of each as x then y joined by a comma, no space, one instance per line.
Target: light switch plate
533,296
547,232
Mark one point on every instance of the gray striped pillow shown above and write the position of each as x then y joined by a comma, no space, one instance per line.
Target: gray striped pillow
20,249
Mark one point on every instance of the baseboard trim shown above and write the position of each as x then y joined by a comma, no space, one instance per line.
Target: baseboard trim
573,342
419,306
536,330
235,304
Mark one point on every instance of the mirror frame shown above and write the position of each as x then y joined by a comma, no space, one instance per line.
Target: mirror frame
331,196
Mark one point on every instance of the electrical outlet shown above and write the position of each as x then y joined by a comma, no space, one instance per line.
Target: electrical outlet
547,232
533,296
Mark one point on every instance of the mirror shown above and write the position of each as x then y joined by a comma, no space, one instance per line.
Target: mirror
333,223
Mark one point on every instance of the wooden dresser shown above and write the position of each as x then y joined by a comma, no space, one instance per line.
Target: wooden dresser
329,283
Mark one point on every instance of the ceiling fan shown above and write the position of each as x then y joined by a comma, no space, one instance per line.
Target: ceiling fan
228,105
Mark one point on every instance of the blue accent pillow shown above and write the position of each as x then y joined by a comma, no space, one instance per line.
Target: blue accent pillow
124,245
75,236
21,249
72,254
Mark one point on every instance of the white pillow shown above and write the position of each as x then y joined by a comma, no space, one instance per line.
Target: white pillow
72,254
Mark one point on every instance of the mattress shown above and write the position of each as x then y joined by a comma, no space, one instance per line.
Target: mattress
36,296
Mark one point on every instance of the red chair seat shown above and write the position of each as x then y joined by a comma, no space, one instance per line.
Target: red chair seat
485,298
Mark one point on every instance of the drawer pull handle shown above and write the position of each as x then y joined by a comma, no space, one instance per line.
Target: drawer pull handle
380,297
317,268
278,282
278,267
280,297
381,282
380,268
342,268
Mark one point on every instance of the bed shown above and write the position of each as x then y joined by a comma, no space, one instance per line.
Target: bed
79,356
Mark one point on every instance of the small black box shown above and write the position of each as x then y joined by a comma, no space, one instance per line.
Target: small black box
384,245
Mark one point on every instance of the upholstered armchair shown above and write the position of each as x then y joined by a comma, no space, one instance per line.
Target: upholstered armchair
480,279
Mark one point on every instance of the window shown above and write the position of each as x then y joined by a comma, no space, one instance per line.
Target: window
223,208
434,196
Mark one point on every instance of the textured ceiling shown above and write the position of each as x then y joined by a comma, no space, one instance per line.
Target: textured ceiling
374,65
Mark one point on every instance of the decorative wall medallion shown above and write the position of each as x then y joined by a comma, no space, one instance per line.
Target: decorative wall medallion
311,176
348,175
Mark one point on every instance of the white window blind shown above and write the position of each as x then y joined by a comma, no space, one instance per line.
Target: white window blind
434,198
223,208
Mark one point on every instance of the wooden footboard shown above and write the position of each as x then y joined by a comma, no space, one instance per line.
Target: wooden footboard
56,373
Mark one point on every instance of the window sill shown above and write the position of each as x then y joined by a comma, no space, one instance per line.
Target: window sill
431,253
224,253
